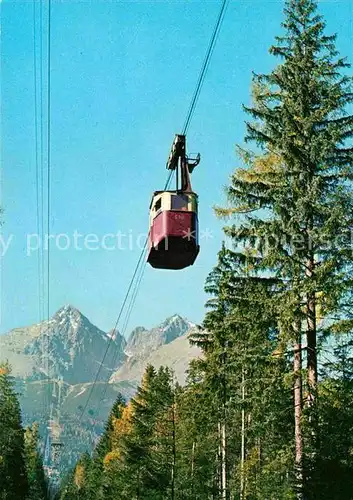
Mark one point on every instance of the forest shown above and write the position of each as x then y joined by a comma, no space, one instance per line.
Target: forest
267,410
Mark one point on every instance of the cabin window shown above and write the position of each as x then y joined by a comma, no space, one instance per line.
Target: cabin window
158,204
180,202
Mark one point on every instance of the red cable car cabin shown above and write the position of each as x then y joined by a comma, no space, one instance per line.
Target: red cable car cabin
173,236
173,232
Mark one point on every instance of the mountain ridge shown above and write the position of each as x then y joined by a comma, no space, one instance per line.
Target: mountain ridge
66,346
69,347
66,379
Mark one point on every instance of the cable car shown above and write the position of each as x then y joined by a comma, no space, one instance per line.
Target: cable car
173,241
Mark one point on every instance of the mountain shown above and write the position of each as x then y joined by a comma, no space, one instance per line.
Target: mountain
164,345
142,341
56,362
78,431
67,347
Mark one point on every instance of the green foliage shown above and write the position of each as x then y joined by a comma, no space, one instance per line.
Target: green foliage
13,479
243,369
231,432
37,484
77,485
148,448
293,202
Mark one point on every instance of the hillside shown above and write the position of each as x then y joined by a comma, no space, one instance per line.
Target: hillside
68,346
55,364
177,355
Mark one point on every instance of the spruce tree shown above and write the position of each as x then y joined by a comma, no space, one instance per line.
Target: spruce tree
196,437
116,476
77,484
13,478
105,443
98,482
243,368
37,483
149,446
295,198
333,475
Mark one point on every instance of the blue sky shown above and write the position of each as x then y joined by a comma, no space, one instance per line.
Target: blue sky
123,73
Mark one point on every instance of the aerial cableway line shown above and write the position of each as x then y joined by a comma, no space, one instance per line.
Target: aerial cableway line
180,163
42,39
173,232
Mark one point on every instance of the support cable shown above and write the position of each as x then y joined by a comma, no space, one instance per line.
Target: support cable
48,182
126,322
205,66
114,331
140,263
39,175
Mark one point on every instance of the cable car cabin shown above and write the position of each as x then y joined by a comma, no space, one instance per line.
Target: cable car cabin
173,234
173,240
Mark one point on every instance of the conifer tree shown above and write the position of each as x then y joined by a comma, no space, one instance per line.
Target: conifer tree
243,368
77,485
333,475
295,196
13,478
148,447
37,483
197,437
116,478
105,443
98,483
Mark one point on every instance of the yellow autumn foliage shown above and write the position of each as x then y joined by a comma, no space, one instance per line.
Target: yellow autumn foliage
252,459
79,476
4,370
262,170
320,298
277,353
111,457
319,306
121,426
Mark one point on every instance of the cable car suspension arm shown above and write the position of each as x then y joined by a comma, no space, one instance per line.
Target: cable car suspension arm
179,160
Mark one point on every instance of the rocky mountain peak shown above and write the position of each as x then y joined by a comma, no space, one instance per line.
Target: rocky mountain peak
70,327
164,345
142,341
68,346
176,319
135,333
70,316
71,348
67,310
